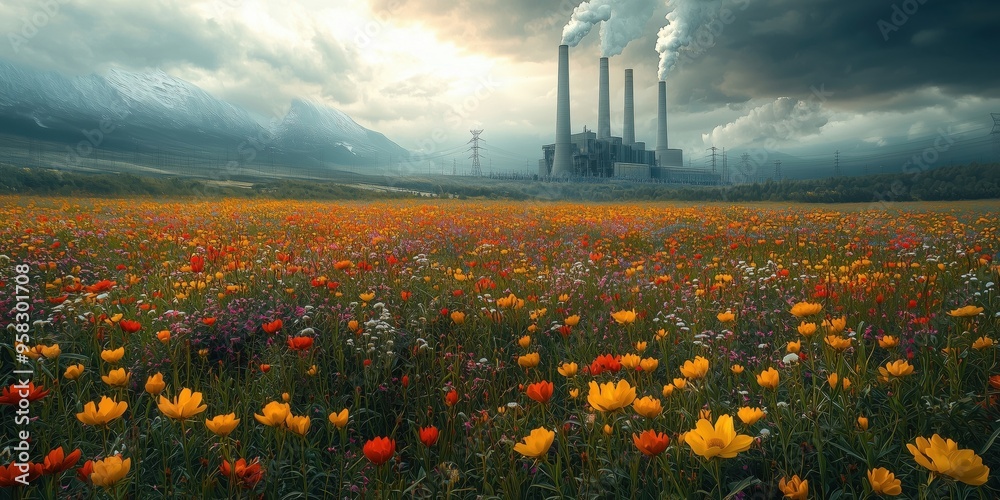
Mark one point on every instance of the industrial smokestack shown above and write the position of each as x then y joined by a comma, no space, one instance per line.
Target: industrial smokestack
628,129
661,123
604,103
562,163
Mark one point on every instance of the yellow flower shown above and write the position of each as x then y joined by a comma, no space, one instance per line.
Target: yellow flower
980,343
103,412
524,341
608,429
73,372
222,425
624,317
50,352
184,406
568,369
726,317
630,361
837,342
898,368
943,457
718,441
807,329
661,334
298,425
794,488
573,393
863,423
965,312
736,369
640,346
695,368
564,297
340,419
274,414
680,383
113,355
367,296
312,371
572,320
749,415
458,317
509,301
668,390
116,378
833,379
835,326
705,413
649,364
768,378
529,360
884,482
109,471
648,407
611,397
803,309
793,347
155,384
888,341
536,444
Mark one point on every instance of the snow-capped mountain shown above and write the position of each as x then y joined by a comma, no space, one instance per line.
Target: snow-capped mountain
156,111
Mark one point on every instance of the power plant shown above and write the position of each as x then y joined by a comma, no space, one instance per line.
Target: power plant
600,154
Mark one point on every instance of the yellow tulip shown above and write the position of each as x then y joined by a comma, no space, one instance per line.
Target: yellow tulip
186,405
803,309
222,425
610,397
536,444
942,456
648,407
768,378
624,317
884,482
155,384
73,372
109,471
649,364
898,368
749,415
630,361
102,413
695,368
274,414
298,424
117,378
339,419
965,312
113,355
794,488
529,360
568,370
51,352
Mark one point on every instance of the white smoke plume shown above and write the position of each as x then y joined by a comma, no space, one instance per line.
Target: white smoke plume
585,16
782,120
628,18
683,23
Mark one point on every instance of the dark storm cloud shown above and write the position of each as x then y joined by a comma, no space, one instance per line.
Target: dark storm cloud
868,55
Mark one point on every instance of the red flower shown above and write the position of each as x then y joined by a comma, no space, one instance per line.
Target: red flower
83,473
650,442
197,263
380,450
605,362
15,393
405,381
56,462
405,295
129,326
429,436
995,381
540,391
9,474
208,321
300,343
272,327
248,475
100,286
451,398
265,367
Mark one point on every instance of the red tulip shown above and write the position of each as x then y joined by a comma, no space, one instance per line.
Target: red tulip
129,326
56,462
197,263
405,381
380,450
272,327
429,435
451,398
9,474
248,475
300,343
540,391
83,473
14,394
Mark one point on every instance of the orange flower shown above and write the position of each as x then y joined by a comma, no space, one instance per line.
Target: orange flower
272,327
451,398
768,378
428,435
15,393
794,488
9,474
300,343
650,442
379,450
57,462
540,391
803,309
129,326
248,475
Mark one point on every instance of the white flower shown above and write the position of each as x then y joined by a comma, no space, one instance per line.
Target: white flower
790,358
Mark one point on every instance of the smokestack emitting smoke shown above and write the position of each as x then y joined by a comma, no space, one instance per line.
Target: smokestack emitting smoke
628,18
604,103
628,129
562,162
683,23
661,122
585,16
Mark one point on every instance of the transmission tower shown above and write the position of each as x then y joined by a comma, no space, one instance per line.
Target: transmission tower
777,170
713,149
725,167
454,166
995,133
477,169
745,161
836,163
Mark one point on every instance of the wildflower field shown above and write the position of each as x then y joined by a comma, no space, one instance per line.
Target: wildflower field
264,349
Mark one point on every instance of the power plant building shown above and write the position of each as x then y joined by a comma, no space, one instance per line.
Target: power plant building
600,154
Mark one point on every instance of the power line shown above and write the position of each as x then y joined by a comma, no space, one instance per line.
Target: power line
477,170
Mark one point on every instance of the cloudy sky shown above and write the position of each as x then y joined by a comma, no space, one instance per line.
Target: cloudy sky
800,77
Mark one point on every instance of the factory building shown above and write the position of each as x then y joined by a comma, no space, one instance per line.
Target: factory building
600,154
